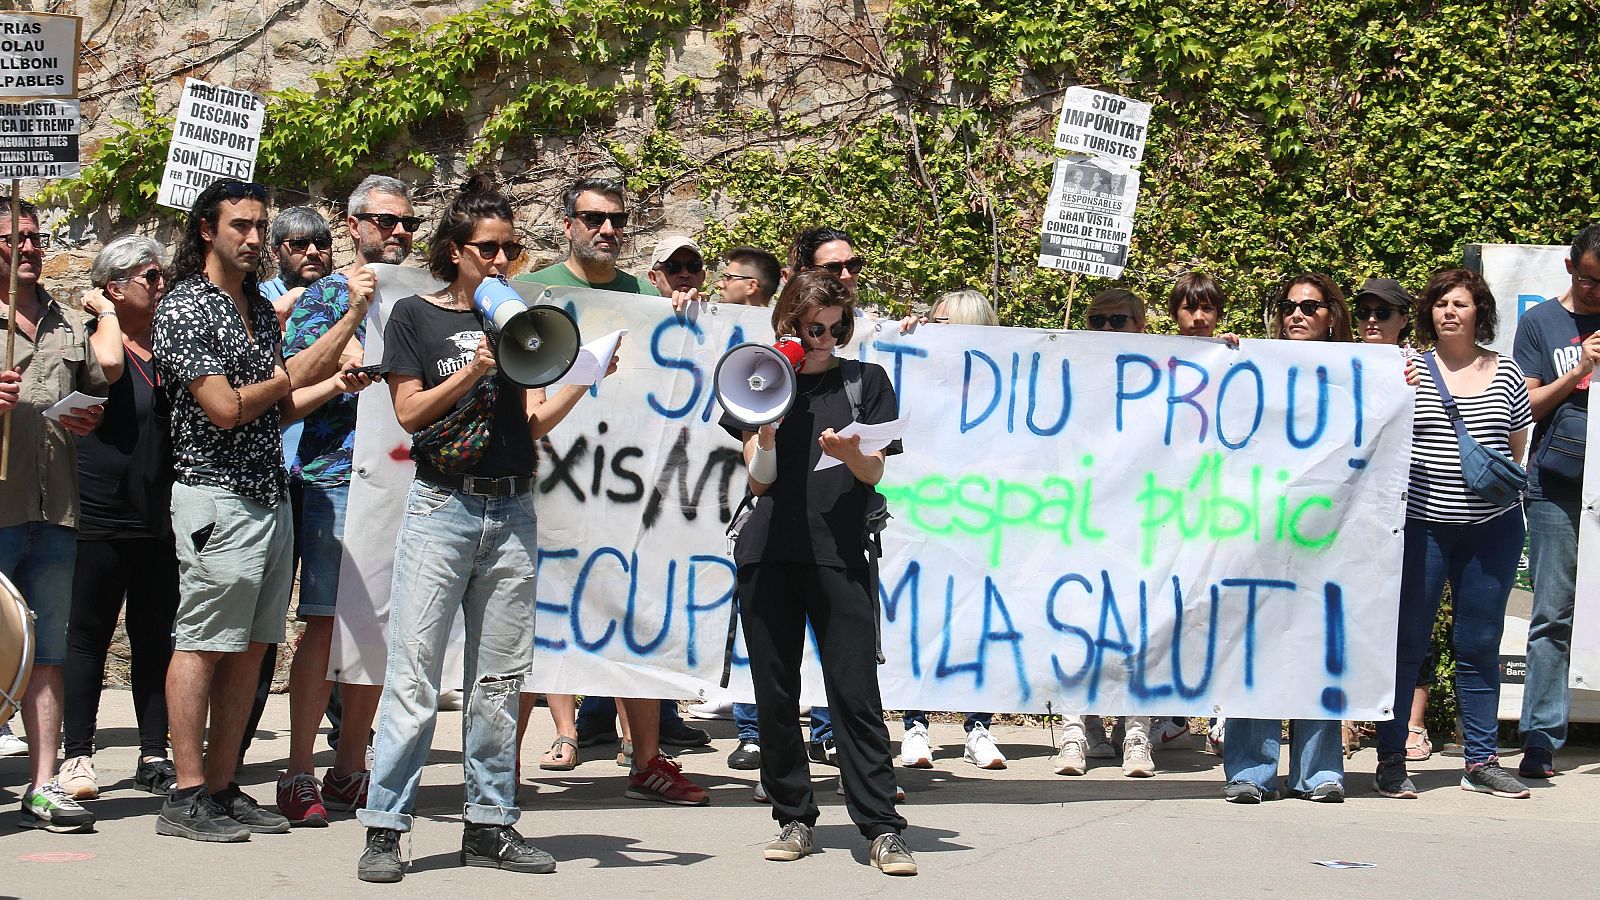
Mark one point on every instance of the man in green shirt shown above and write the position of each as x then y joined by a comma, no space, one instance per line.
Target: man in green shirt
593,217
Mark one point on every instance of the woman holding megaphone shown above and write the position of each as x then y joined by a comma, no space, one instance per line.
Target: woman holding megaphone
467,540
801,557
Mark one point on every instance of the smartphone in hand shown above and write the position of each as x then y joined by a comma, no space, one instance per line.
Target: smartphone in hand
369,371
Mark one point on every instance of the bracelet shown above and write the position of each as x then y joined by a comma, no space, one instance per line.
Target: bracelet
110,312
238,409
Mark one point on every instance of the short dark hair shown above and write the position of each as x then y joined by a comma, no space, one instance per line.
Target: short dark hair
806,292
768,271
477,201
1586,243
24,209
1195,288
803,251
1339,328
608,186
1483,307
190,258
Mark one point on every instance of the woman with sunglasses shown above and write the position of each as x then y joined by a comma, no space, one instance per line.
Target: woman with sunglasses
801,557
828,250
467,542
1311,308
1115,309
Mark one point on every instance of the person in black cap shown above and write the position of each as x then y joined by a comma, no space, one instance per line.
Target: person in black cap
1382,311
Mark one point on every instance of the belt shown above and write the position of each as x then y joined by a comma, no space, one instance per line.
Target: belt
504,486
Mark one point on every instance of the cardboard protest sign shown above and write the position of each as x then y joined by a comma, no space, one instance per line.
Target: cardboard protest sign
1115,523
39,139
1103,124
1586,597
1088,219
1081,240
39,55
216,135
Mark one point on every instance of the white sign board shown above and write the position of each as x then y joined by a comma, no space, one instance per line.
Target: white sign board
39,139
1520,276
1103,124
216,135
39,55
1081,240
1586,596
1103,522
1095,183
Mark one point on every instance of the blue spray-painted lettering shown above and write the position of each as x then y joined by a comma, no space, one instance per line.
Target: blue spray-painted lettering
541,606
693,607
645,648
900,351
1069,681
1183,688
968,423
1123,394
1137,685
993,606
1259,405
1252,585
575,611
1322,409
1357,398
1109,615
1333,697
1033,398
1175,399
890,602
659,355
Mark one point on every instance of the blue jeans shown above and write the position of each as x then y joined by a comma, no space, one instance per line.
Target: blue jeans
38,557
919,717
1480,563
744,717
322,547
1316,753
472,553
1553,566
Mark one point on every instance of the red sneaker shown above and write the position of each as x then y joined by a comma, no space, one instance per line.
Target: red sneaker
301,802
662,779
345,793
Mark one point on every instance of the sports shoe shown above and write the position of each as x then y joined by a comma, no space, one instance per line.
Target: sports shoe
345,793
77,778
1245,792
899,792
1537,762
890,855
1488,778
501,847
156,776
1216,734
243,808
301,801
709,710
822,752
981,750
662,780
745,756
793,842
380,862
915,751
1071,759
11,744
678,733
594,738
1326,792
1391,779
1136,759
760,795
192,814
1100,747
1165,731
51,809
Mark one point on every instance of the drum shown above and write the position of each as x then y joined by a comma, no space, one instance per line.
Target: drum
16,648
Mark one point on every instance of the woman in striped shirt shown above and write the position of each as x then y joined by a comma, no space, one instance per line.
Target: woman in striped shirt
1452,534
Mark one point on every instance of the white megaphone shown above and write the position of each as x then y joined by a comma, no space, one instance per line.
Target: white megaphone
537,343
755,382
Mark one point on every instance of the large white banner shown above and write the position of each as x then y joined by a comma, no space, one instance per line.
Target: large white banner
1520,276
1586,607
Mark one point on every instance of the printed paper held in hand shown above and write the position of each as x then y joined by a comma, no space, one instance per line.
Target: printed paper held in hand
593,360
873,437
75,400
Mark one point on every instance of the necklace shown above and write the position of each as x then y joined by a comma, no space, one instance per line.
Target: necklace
127,349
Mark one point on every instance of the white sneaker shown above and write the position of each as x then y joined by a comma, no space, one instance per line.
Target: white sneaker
760,795
1100,747
77,778
899,792
1072,760
1136,759
1215,735
10,744
1166,731
711,710
915,751
981,750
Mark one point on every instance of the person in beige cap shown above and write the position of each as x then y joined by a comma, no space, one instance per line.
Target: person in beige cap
677,269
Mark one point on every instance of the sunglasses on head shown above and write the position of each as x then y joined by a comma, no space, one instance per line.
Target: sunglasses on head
1115,320
36,238
386,221
840,330
593,220
673,267
1308,308
852,265
1381,312
489,249
301,244
234,189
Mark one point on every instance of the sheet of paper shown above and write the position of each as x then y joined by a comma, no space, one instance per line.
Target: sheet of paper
873,437
75,400
593,359
1343,864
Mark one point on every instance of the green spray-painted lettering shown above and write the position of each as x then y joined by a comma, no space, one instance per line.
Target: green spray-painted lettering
1202,507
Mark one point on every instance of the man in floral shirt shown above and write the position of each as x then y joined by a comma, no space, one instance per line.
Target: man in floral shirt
381,222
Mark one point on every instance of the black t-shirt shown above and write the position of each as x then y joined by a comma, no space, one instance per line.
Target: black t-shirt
808,516
104,453
432,343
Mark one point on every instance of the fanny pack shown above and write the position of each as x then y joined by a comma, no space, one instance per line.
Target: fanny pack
1560,456
456,442
1490,474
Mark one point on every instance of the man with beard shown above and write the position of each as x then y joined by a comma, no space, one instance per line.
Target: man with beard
303,246
381,222
593,217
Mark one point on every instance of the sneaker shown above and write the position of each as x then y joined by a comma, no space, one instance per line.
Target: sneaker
1245,792
595,738
899,792
1166,730
745,756
1216,734
793,842
346,793
678,733
1072,760
10,744
710,710
1488,778
760,795
52,809
823,752
501,847
981,750
1326,792
301,801
1391,779
192,814
157,776
625,754
243,808
380,862
1137,762
662,779
1100,747
77,778
890,855
915,750
1537,762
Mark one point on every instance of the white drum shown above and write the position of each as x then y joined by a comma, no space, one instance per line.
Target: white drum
16,648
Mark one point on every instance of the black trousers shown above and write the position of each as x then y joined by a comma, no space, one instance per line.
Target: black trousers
145,570
775,602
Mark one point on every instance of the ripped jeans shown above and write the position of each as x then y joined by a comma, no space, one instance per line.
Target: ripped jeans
456,551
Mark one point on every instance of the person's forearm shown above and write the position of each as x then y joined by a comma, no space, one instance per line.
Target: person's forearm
106,342
866,467
420,409
545,416
321,359
1545,398
302,402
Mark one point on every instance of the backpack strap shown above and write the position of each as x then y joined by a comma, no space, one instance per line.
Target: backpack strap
851,370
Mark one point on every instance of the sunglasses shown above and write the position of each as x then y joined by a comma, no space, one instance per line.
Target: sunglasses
1116,320
490,249
151,277
840,331
1381,313
388,221
852,265
1308,308
234,189
37,239
672,267
300,245
594,220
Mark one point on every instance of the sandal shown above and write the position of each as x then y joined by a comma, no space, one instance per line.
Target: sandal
553,756
1422,748
1350,736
